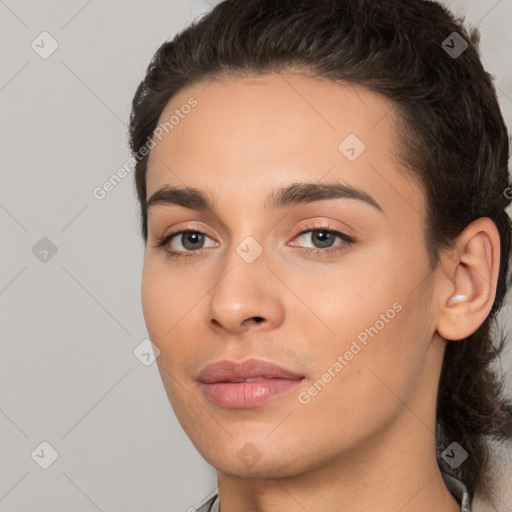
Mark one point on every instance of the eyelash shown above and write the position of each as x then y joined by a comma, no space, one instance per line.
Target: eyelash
164,241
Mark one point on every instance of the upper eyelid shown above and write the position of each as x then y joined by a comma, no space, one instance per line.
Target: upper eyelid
310,225
316,227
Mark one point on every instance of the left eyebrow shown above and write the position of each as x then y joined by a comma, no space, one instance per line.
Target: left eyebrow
296,193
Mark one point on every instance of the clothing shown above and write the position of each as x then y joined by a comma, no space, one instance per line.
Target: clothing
458,490
454,485
207,506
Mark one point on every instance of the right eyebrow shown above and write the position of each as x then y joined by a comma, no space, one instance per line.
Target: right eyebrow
188,197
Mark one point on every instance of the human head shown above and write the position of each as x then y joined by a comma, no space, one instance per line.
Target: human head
454,142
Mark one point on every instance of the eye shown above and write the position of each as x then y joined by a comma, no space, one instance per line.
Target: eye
323,239
190,240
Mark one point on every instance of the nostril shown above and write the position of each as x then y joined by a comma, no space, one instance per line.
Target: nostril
258,319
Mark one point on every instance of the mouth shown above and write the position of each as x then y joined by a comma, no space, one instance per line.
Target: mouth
254,379
246,384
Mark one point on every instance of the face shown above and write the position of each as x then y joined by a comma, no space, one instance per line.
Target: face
332,287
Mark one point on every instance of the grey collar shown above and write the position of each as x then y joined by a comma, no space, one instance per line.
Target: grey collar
454,485
458,490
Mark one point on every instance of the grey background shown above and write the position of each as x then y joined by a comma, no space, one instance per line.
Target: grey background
70,324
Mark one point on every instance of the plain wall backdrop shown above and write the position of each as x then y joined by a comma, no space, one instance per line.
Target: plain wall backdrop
71,264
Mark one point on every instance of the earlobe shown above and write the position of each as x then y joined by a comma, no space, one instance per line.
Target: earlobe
473,276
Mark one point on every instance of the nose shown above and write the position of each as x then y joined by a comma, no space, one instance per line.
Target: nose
247,296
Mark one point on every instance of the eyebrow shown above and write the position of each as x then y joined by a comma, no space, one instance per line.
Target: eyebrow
296,193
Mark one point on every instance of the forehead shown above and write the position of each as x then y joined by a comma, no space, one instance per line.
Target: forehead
252,134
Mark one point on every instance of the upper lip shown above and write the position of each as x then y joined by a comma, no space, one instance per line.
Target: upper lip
229,370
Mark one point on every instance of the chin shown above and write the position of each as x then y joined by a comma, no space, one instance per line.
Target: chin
261,470
247,463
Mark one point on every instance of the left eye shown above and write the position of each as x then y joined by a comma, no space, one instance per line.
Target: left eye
324,238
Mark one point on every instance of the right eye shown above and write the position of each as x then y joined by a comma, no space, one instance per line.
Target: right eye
190,240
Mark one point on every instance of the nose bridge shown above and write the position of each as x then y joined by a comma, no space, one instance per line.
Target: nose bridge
245,289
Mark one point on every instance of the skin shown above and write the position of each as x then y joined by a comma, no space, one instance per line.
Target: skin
366,441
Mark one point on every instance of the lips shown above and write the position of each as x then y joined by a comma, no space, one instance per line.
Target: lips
242,385
251,369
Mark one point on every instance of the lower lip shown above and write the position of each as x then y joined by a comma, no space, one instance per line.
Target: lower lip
244,395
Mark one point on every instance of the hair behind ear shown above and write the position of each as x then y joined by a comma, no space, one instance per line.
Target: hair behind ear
471,406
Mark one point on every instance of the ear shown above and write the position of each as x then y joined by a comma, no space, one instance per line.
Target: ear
470,277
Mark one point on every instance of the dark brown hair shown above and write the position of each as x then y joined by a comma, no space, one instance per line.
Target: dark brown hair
454,143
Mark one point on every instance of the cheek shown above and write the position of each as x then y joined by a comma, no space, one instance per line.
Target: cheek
153,300
163,306
378,327
165,296
162,313
171,305
375,379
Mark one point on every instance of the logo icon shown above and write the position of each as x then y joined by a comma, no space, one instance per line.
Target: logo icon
44,250
44,45
249,454
44,455
454,455
249,249
351,147
146,352
454,45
